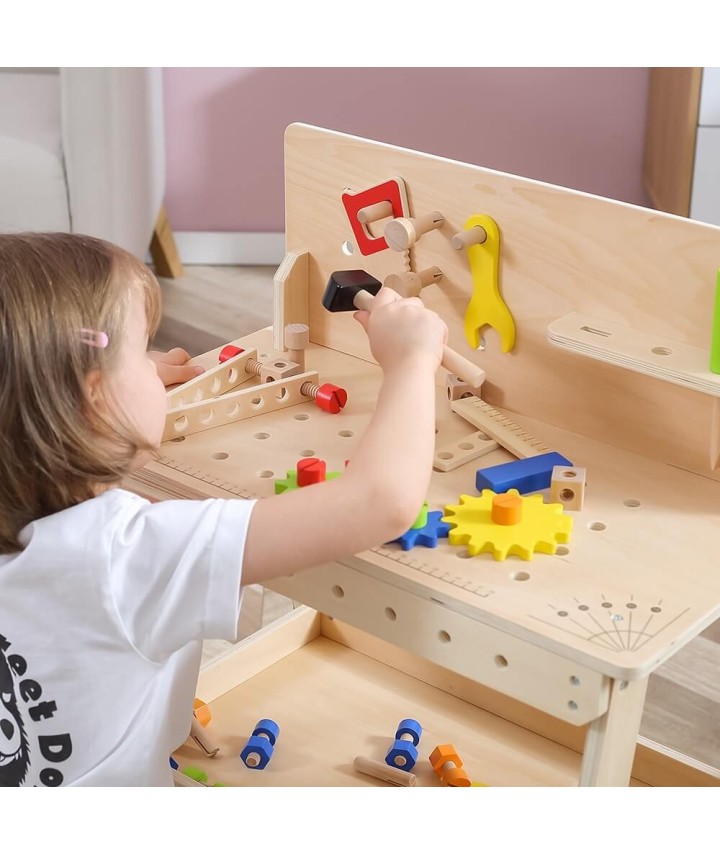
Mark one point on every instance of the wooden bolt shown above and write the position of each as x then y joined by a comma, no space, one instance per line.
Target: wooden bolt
411,284
469,237
297,338
328,397
447,765
402,232
506,509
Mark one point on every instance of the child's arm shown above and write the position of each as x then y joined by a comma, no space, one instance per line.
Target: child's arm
171,367
380,493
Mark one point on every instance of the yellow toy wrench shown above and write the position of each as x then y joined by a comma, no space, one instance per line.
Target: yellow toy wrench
486,306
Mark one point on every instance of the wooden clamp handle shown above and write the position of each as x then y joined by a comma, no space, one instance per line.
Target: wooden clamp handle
451,359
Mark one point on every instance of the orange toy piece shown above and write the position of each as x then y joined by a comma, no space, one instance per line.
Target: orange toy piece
202,713
447,765
506,509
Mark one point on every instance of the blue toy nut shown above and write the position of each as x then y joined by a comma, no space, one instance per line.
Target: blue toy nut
403,753
173,763
259,748
528,475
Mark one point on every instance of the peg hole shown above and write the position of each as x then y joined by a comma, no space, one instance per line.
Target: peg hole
347,248
338,591
220,455
390,614
307,453
182,423
215,388
574,681
257,402
262,435
661,351
520,576
232,375
301,417
178,439
597,526
501,661
631,503
572,705
265,473
444,637
562,550
346,433
282,395
207,417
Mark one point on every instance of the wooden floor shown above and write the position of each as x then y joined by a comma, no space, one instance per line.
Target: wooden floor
210,306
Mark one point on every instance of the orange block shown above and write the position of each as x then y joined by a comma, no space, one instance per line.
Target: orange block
506,509
202,713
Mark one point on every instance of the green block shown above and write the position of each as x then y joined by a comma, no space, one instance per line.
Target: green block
422,517
715,339
195,773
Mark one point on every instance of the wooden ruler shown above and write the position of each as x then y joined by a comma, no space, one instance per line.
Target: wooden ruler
499,427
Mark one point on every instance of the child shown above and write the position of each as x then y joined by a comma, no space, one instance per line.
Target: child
105,598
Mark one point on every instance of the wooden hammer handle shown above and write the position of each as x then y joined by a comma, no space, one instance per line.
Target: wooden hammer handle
451,359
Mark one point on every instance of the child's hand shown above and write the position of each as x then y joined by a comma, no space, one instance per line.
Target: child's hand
171,367
400,328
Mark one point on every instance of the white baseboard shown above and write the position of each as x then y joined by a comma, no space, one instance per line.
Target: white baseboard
247,248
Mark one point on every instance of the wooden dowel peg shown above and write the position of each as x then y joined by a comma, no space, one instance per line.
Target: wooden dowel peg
411,284
375,212
469,237
402,232
297,338
383,772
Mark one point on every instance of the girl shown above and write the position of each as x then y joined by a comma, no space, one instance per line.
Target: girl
105,598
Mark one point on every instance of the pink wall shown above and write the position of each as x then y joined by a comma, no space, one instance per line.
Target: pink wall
578,127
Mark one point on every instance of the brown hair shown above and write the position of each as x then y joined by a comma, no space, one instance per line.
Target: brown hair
56,446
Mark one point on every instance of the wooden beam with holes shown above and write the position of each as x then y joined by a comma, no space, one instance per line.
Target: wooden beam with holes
215,381
242,404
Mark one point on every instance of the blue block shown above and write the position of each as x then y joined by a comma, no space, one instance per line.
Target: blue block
526,476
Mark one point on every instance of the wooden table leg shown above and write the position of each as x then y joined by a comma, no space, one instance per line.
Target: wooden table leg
163,249
611,739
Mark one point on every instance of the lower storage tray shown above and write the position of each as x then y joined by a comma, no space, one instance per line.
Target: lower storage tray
336,693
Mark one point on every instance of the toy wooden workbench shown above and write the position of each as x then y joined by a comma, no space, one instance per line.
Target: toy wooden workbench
526,644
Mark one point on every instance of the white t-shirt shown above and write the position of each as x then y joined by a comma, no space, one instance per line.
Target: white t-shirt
102,617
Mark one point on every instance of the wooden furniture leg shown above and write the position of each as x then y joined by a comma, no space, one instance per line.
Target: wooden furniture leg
163,250
611,739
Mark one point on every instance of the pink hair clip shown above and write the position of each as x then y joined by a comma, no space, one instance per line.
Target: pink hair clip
94,338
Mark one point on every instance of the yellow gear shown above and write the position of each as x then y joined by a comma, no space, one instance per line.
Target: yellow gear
541,528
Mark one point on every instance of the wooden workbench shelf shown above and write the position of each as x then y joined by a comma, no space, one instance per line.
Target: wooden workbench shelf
656,356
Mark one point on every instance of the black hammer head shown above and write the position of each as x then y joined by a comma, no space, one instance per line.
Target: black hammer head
342,287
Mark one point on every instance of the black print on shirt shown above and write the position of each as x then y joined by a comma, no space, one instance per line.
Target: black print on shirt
16,757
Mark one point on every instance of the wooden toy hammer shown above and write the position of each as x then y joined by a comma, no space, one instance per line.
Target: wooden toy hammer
348,290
